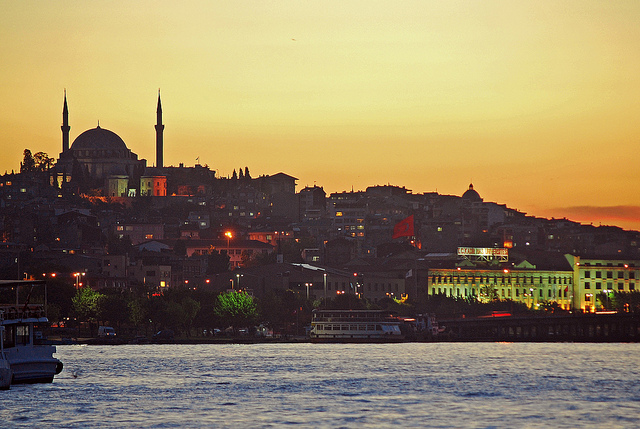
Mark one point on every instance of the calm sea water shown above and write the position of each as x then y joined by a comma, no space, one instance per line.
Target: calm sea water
444,385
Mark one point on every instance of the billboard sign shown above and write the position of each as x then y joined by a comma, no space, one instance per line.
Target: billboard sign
483,252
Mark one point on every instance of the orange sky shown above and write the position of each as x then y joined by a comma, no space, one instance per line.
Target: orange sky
537,103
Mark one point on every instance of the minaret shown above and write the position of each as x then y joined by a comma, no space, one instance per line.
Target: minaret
65,124
159,130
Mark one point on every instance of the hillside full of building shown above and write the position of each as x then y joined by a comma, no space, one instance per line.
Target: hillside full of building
100,214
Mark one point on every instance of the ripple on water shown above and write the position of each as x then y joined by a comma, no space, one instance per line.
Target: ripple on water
327,386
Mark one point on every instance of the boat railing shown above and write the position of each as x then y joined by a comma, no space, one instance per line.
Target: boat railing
354,319
9,311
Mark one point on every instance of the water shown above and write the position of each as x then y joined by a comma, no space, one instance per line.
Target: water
442,385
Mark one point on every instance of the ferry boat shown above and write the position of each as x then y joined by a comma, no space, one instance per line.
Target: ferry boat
355,326
30,359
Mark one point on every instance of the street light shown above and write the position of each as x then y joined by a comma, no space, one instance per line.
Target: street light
308,285
324,279
77,276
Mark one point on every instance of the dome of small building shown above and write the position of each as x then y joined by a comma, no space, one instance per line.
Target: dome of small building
98,138
471,194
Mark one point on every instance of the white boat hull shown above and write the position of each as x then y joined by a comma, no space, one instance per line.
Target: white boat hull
21,325
33,364
354,326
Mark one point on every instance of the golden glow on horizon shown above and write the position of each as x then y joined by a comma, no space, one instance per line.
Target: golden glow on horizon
536,101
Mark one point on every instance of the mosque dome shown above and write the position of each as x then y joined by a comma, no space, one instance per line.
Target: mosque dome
471,194
100,139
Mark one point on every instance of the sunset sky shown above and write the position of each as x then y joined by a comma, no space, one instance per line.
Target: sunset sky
535,102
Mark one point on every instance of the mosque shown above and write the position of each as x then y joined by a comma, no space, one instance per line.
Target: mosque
100,159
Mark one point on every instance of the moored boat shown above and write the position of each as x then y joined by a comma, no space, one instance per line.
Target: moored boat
355,326
30,360
5,368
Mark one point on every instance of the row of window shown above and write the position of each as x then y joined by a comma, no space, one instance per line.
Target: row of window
499,279
353,227
389,287
610,275
609,264
506,293
620,285
242,214
352,327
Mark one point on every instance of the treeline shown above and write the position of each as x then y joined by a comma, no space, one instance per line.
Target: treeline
190,312
187,312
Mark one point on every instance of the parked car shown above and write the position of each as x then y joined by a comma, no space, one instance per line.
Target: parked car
106,331
165,334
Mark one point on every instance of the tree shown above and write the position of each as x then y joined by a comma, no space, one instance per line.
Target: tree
488,293
42,161
217,262
113,309
247,175
137,312
258,259
236,308
86,304
190,308
280,309
28,163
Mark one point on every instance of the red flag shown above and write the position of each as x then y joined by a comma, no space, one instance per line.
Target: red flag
404,228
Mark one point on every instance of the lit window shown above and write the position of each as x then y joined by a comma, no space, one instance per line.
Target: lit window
338,214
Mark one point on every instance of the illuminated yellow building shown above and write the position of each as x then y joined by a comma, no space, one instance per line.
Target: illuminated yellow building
536,280
599,278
